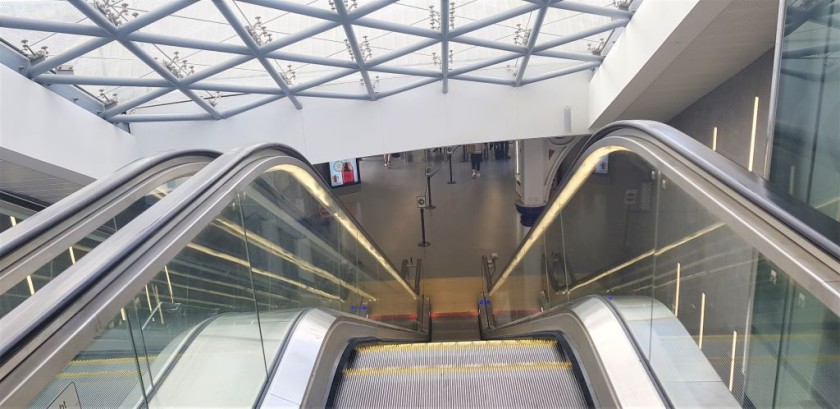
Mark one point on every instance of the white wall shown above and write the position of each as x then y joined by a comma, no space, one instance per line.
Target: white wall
329,129
658,32
42,125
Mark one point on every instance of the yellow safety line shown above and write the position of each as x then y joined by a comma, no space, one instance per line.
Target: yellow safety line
67,375
458,368
106,361
457,345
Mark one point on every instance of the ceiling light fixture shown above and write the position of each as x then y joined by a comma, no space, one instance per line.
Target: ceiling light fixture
259,32
34,56
116,13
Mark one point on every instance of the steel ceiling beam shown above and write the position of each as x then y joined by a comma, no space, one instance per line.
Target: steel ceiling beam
119,35
407,87
251,43
532,42
444,44
251,105
560,73
354,47
104,81
173,41
569,55
486,80
234,61
483,64
94,43
417,72
137,118
61,27
133,103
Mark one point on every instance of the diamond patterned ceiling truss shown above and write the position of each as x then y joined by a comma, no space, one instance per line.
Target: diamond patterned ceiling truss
353,41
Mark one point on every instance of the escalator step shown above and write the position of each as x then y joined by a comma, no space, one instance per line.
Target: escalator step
514,373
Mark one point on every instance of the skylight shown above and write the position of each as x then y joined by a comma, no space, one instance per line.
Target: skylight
219,58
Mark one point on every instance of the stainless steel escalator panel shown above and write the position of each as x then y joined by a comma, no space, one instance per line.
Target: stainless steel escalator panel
610,362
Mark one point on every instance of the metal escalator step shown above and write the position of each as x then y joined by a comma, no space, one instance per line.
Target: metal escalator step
458,353
517,373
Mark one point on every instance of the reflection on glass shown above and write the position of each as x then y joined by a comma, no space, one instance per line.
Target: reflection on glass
806,146
703,305
44,274
206,330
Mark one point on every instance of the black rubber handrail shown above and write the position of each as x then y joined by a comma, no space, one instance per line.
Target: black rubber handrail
817,228
46,219
177,202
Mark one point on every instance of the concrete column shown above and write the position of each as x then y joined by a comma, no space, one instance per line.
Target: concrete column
532,177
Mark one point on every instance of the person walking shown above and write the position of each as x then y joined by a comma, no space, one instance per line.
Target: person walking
387,160
476,151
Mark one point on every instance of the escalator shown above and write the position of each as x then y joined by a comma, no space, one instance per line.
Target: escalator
669,280
535,372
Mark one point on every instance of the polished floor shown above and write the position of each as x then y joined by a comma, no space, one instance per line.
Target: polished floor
473,217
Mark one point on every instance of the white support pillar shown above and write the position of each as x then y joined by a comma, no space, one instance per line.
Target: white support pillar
533,172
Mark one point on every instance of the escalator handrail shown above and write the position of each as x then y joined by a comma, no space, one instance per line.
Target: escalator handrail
47,307
33,227
748,185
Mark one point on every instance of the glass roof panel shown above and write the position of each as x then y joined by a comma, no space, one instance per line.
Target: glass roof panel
407,12
427,58
468,11
109,93
327,44
277,23
55,43
466,55
380,42
512,31
202,21
182,61
352,83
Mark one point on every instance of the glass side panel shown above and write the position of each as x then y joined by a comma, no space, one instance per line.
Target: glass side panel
205,330
806,139
64,260
713,316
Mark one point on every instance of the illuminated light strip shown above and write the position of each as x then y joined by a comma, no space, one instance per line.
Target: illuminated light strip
169,284
702,318
30,284
646,254
714,139
677,295
732,360
296,260
752,135
157,299
216,282
148,299
458,345
578,178
692,236
72,255
314,187
122,314
13,221
279,252
531,366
